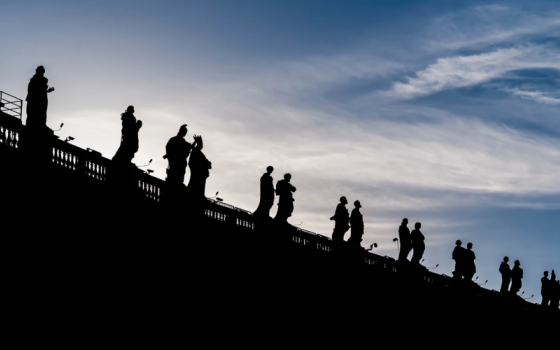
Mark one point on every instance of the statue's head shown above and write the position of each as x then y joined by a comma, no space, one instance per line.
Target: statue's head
417,225
183,130
469,246
343,200
197,142
458,242
269,169
357,204
506,259
288,177
546,274
130,109
517,263
40,70
405,221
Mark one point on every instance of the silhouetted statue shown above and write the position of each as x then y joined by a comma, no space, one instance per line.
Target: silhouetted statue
177,151
341,220
506,275
406,243
555,301
267,194
200,170
470,266
37,100
285,190
545,289
459,256
418,246
356,225
129,137
554,291
516,276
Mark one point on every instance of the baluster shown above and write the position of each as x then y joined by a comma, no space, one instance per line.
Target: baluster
12,140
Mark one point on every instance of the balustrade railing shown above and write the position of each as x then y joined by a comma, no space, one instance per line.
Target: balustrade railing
10,129
93,166
66,155
151,186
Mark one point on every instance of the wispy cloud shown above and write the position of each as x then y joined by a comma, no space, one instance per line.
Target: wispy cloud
536,96
462,71
490,24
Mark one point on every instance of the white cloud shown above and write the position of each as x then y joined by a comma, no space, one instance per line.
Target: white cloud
462,71
486,25
536,96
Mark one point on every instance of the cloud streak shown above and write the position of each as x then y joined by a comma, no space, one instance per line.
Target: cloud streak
463,71
536,96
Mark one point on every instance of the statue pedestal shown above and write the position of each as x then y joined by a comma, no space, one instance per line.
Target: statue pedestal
36,144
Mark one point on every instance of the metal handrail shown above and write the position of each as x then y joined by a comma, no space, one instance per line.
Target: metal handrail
10,105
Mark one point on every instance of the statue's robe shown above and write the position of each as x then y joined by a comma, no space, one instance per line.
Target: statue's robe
177,151
418,246
356,227
406,244
37,102
284,191
516,277
200,167
267,196
341,219
129,139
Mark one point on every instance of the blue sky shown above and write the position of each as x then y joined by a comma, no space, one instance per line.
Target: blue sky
444,112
